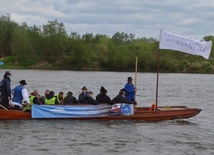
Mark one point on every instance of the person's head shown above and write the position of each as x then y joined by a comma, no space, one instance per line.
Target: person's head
35,92
103,90
129,79
61,94
122,92
69,93
38,96
7,74
23,82
90,93
84,89
47,92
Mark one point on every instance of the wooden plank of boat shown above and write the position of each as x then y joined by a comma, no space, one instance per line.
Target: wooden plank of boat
140,114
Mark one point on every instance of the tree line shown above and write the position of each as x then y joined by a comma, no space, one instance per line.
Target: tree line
51,47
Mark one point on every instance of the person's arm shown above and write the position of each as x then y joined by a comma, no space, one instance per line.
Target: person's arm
93,101
75,100
25,95
114,100
56,100
8,89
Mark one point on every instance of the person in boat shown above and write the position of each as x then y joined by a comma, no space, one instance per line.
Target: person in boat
83,94
102,96
60,97
6,90
20,96
70,99
34,99
89,99
130,89
51,98
42,99
121,98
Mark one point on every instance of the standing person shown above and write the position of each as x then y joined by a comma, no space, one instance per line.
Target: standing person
6,90
20,95
130,90
102,96
83,94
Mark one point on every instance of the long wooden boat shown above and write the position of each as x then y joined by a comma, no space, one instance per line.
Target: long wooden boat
140,114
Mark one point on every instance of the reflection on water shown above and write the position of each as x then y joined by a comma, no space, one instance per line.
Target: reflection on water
178,137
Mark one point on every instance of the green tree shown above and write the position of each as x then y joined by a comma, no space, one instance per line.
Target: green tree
54,40
7,27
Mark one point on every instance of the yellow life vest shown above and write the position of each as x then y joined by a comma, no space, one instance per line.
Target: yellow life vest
28,108
50,101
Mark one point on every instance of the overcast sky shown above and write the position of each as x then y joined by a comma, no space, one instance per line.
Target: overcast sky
144,18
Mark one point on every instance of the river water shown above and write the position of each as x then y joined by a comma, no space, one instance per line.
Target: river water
193,136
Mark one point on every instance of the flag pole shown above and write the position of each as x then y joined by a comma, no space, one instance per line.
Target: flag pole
135,77
158,70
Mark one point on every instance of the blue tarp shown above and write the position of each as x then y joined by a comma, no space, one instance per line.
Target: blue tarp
1,63
76,111
52,111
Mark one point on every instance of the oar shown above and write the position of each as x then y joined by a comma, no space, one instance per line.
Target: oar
3,107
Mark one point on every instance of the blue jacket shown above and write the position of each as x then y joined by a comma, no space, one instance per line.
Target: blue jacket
5,88
130,93
18,94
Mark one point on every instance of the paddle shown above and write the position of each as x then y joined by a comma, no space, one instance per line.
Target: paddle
3,107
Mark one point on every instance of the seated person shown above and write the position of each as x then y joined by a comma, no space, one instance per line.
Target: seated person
60,97
51,99
102,96
121,98
69,99
83,94
42,99
89,99
34,99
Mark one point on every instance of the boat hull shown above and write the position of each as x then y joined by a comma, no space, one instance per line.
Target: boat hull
140,114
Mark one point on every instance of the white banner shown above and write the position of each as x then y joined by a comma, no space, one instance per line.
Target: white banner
174,42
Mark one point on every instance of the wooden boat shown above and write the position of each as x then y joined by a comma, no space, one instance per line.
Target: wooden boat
140,114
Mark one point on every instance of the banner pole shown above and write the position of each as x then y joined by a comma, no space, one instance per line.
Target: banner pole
158,70
135,76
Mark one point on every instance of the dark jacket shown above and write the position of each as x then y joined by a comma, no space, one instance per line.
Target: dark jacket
5,88
69,99
121,99
103,98
81,96
89,100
